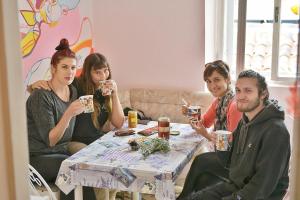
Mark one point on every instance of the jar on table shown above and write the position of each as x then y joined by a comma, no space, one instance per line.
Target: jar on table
164,127
132,119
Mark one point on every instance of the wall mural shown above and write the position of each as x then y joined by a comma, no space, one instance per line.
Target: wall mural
42,24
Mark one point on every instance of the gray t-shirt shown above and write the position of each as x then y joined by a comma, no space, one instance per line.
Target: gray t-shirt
44,110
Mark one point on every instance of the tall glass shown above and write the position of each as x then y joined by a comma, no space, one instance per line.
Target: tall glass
164,127
132,119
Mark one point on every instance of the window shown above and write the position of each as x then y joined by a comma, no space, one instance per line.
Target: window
259,35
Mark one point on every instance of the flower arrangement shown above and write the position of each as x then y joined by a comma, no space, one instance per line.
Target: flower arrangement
148,146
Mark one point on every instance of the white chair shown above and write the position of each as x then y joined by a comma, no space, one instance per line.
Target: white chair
36,182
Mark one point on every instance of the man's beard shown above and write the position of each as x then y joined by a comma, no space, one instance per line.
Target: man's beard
252,106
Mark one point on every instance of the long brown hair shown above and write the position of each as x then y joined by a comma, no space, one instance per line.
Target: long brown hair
94,61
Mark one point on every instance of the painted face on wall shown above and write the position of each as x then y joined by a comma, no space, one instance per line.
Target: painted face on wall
65,71
217,84
99,75
247,95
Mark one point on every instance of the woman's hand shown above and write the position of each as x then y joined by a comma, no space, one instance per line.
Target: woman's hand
185,107
75,108
200,128
112,85
58,131
213,137
41,84
108,87
184,110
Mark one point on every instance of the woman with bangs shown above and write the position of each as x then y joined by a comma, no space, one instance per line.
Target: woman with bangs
108,111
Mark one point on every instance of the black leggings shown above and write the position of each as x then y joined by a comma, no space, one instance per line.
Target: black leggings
48,166
207,169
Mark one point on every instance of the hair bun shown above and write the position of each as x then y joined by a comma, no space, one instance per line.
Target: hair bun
63,44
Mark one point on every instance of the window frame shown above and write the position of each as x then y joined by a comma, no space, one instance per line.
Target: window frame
226,40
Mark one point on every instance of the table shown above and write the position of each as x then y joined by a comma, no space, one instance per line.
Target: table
109,163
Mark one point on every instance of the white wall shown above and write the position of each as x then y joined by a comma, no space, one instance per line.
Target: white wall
153,44
282,93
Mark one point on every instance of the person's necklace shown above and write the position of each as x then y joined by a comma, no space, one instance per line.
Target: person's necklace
63,95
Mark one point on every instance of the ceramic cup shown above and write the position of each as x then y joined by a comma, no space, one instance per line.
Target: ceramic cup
87,101
223,139
194,113
105,88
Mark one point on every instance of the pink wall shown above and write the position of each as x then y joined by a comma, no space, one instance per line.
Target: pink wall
40,35
153,44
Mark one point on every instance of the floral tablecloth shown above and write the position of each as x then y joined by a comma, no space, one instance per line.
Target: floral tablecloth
109,163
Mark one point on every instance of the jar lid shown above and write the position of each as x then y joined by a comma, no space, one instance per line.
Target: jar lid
164,119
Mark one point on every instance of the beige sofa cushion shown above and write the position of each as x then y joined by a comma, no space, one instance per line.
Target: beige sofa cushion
124,97
155,103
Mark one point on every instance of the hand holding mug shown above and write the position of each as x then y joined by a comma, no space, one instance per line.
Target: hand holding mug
213,137
200,128
184,110
112,85
75,108
107,87
184,107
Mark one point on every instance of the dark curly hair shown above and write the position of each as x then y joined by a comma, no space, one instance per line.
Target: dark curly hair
260,82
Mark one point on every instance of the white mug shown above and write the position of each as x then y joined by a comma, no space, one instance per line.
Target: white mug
87,102
223,140
106,90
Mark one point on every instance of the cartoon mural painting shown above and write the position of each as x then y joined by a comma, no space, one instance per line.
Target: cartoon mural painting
42,24
82,47
42,11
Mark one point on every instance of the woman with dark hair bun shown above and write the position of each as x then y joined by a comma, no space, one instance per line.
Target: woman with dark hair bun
108,112
209,168
51,115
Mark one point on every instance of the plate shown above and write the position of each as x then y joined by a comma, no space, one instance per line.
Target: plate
174,132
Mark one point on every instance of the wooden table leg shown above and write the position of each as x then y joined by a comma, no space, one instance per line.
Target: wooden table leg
106,194
78,193
136,196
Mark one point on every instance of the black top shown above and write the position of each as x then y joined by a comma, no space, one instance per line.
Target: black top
84,130
44,110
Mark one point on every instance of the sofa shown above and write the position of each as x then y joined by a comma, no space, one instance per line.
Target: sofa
158,102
